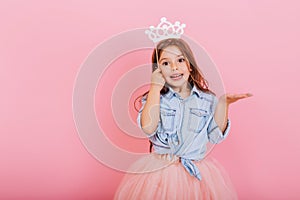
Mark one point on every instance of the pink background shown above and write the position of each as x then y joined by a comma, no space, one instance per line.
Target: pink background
255,45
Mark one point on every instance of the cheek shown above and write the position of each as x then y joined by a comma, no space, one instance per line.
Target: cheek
186,70
165,72
187,74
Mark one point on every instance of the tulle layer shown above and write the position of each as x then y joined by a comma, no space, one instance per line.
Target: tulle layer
174,182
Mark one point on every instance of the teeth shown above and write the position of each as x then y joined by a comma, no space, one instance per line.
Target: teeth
175,76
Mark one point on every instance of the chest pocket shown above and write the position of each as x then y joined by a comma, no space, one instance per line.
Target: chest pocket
168,118
197,119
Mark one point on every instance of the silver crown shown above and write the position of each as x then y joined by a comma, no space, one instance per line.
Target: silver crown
165,30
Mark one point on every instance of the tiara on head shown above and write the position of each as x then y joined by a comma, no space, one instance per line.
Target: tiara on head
165,30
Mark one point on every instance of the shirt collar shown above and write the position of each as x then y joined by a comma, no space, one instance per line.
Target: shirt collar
172,93
196,91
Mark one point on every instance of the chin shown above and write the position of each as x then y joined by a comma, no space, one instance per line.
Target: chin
176,85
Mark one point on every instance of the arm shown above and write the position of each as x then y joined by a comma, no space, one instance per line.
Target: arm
219,125
221,113
151,112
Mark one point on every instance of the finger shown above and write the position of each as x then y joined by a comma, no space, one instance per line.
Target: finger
246,95
239,96
157,69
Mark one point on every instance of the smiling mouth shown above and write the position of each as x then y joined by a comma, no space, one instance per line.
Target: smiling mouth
176,76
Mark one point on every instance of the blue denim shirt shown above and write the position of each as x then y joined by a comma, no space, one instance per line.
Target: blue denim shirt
186,126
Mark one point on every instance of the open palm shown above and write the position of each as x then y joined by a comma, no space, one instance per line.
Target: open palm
231,98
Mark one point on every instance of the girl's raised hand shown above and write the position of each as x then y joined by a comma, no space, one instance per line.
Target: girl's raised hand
157,79
231,98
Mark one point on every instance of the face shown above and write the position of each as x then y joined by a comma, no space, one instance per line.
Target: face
174,68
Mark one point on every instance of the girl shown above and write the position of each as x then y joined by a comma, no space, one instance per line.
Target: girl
180,115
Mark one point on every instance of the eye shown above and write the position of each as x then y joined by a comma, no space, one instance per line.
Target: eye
181,60
165,63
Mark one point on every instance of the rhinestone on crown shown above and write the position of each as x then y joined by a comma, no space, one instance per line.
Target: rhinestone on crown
165,30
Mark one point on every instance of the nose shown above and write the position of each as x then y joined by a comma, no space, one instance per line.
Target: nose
174,66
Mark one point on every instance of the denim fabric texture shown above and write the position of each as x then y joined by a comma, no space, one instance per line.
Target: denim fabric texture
186,126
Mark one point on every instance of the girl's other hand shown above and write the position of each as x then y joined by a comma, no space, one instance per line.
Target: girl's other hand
157,79
231,98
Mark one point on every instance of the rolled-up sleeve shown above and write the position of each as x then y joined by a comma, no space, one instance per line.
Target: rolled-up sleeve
215,135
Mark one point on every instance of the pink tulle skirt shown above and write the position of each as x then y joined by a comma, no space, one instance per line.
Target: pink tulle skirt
165,178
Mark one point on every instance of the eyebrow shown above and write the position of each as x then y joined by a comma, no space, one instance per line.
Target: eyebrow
167,58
